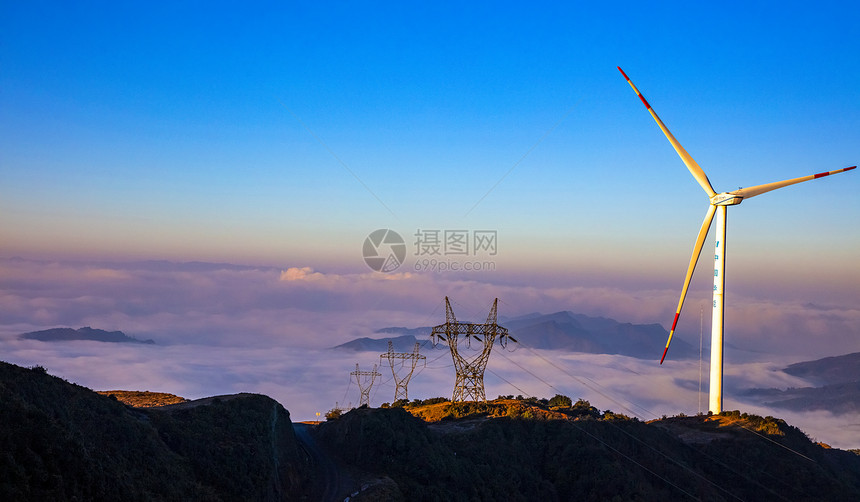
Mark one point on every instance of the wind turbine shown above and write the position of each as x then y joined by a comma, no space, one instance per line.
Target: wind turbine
719,203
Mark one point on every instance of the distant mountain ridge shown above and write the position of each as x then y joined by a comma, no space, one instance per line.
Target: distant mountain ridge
558,331
417,332
829,370
596,335
405,343
838,389
85,333
837,398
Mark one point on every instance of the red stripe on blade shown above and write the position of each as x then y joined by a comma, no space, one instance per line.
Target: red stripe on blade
664,354
643,100
675,321
820,175
622,72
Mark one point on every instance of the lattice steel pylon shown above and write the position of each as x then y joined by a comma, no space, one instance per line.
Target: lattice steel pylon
365,383
402,381
469,384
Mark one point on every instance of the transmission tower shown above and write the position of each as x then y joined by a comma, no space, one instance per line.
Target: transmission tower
365,383
469,384
407,361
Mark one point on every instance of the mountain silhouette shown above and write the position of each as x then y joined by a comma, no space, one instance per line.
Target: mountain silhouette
405,343
85,333
835,386
829,370
559,331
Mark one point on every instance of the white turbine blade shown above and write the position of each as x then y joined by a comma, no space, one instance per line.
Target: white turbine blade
697,250
691,164
746,193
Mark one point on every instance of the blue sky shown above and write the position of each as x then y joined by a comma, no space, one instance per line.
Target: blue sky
283,135
190,132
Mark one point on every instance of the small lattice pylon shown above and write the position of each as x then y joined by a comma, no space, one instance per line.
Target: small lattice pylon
365,383
469,383
407,362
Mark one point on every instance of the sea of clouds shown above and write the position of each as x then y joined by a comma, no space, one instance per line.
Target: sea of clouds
223,328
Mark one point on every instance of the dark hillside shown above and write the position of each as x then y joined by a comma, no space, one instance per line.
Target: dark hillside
480,458
242,446
60,441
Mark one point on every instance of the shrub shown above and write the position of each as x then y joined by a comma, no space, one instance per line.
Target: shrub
560,401
609,415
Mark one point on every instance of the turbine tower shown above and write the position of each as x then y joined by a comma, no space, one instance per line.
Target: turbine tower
365,383
469,384
401,383
719,203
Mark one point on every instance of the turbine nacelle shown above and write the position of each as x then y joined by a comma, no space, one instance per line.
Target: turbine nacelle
726,199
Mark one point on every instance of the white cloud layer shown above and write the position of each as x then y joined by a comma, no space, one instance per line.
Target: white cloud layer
225,328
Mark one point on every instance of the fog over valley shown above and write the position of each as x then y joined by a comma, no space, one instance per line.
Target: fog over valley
220,329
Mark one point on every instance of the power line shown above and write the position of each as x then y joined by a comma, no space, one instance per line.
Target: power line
590,387
604,443
595,387
643,443
630,435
